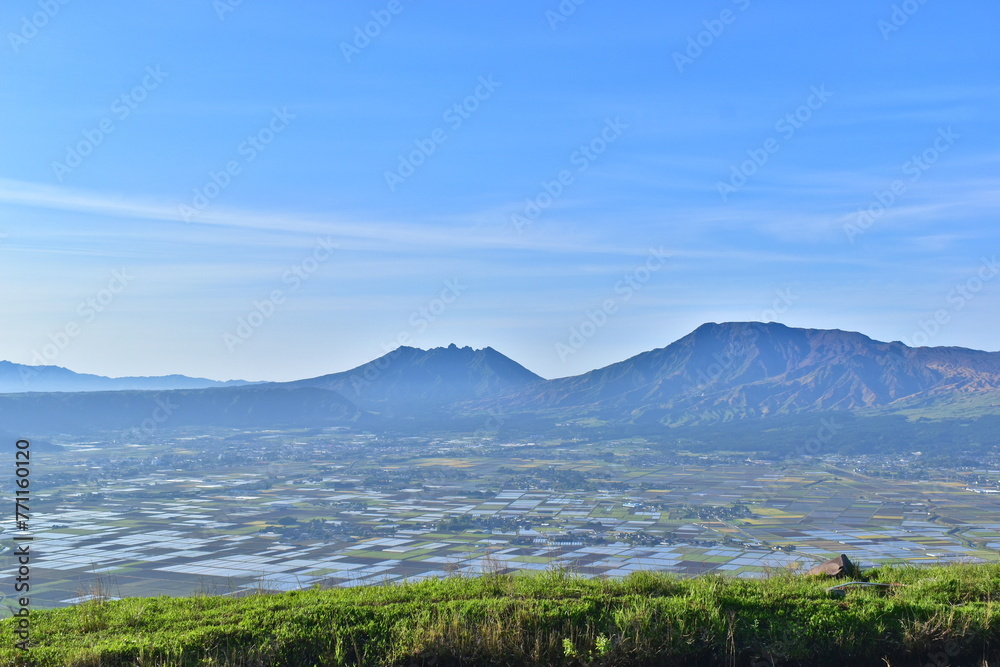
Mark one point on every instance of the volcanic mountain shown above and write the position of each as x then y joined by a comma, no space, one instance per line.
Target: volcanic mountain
409,378
748,369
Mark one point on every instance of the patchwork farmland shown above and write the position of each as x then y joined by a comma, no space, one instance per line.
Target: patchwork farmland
236,512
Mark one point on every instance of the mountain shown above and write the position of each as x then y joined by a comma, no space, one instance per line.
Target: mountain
37,444
741,381
17,378
409,379
137,414
751,369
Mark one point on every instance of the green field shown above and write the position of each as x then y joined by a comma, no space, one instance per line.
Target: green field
945,615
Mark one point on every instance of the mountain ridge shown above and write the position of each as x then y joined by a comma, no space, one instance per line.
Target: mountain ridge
19,378
765,368
720,372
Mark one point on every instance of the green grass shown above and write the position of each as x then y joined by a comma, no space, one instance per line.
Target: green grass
942,615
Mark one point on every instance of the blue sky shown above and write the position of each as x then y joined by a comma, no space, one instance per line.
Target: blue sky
262,190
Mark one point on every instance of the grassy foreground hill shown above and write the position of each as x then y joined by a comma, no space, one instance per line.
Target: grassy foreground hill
947,615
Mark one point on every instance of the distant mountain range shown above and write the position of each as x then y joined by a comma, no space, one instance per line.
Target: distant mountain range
17,378
718,374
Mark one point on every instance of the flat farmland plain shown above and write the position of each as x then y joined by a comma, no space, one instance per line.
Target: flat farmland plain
232,512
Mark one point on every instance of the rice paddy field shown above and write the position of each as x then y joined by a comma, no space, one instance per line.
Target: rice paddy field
232,512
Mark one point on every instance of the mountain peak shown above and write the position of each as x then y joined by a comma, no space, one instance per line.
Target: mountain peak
743,369
741,326
411,377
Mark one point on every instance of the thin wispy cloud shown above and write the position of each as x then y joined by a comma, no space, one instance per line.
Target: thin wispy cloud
415,173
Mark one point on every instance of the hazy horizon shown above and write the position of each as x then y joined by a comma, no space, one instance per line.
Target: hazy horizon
321,372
